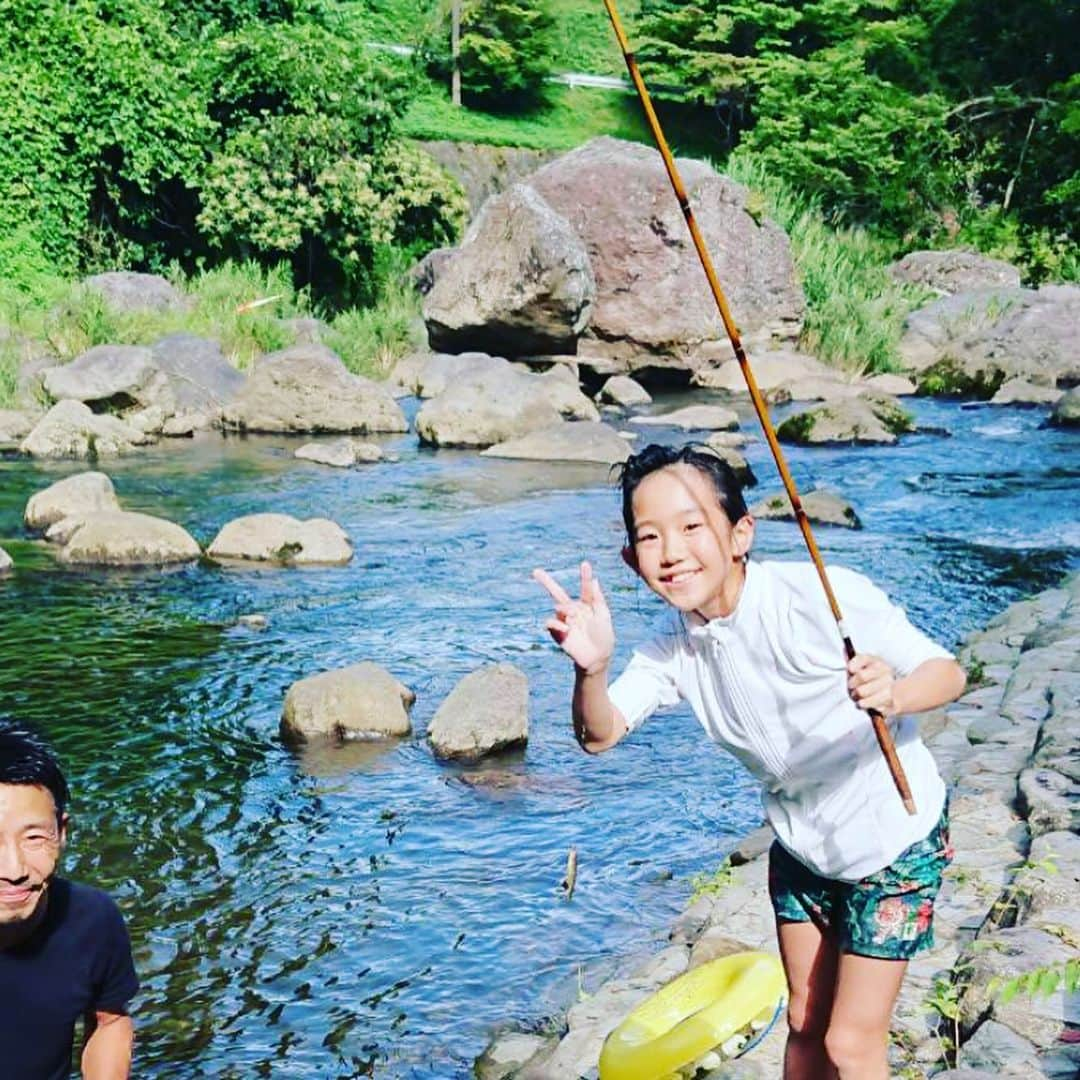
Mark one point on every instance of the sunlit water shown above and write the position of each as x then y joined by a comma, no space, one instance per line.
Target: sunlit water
369,910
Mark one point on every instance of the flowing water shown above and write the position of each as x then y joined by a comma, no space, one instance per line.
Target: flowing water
367,910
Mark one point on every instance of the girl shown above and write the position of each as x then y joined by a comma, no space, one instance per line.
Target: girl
754,648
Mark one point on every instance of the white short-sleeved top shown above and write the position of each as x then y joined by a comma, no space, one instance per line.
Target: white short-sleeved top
769,683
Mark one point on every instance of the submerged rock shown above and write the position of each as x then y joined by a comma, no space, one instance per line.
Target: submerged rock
340,453
362,701
694,418
486,712
566,441
74,496
122,538
280,538
822,507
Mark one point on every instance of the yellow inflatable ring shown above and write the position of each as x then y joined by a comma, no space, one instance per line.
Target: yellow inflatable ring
692,1015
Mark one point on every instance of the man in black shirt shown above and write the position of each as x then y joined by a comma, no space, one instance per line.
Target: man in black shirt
64,950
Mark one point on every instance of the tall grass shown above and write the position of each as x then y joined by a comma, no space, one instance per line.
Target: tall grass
855,310
243,306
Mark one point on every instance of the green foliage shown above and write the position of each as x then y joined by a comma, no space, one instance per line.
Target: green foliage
855,310
506,51
712,884
1040,981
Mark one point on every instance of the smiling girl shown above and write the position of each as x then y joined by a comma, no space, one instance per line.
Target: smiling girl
755,650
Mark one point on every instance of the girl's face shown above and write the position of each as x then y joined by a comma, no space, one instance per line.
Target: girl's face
684,547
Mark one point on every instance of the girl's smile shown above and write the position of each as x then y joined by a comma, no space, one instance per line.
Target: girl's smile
684,546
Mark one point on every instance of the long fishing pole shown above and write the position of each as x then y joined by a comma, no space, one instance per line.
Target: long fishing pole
881,728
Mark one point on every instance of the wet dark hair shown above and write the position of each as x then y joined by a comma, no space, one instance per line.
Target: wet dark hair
654,457
25,759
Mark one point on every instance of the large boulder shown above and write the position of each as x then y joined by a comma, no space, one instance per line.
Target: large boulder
280,538
308,389
122,538
617,198
112,378
488,408
586,441
362,701
486,712
520,283
1022,392
74,496
125,291
972,342
875,420
71,429
949,272
201,379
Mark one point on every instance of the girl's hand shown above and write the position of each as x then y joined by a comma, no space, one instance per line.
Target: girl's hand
871,683
582,628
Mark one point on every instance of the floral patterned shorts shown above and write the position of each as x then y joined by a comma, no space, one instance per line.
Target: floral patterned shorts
888,914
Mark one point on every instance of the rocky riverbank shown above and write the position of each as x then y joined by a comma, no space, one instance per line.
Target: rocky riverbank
1008,748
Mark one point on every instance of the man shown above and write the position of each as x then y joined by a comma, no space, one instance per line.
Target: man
64,949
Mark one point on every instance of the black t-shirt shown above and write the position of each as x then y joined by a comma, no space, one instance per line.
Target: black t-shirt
77,961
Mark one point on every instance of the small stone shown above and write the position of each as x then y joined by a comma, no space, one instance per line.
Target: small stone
340,453
622,390
486,712
821,506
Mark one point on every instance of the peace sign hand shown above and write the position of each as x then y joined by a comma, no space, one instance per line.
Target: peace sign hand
582,628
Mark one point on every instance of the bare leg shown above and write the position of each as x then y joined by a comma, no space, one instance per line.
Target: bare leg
810,963
857,1040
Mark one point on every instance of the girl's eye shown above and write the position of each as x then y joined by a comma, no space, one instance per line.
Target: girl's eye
690,526
645,537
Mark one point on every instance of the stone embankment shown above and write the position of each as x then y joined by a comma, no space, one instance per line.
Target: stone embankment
1010,750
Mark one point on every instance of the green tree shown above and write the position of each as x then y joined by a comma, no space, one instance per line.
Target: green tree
506,51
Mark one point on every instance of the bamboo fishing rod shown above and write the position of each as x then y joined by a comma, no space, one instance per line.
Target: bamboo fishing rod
881,728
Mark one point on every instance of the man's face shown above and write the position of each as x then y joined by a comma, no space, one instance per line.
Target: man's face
30,842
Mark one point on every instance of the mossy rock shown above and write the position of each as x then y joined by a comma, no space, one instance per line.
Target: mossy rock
950,377
874,419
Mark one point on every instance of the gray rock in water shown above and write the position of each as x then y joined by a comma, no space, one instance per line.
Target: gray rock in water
951,272
78,495
617,198
16,424
566,441
694,418
622,390
1066,412
282,539
486,712
201,379
6,564
739,465
362,701
308,389
121,538
488,408
771,370
562,390
822,507
428,375
974,341
126,291
71,429
340,453
507,1053
875,420
520,283
114,378
1023,392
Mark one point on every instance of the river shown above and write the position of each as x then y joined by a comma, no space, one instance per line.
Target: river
369,910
